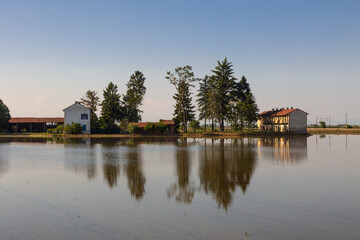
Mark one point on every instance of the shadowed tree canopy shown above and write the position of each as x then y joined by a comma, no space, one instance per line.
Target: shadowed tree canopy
203,99
243,105
4,116
182,79
222,82
111,110
134,97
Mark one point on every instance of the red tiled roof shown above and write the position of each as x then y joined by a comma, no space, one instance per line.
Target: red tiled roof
36,120
279,112
285,112
140,124
169,122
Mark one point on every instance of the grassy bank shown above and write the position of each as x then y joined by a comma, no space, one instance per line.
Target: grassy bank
189,134
335,131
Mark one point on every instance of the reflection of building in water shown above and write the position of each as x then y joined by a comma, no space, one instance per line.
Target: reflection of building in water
284,149
224,166
183,189
134,171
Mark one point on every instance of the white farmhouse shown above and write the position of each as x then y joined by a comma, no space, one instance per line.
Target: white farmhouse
291,120
78,113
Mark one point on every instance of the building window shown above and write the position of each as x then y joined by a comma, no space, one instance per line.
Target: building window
84,117
84,128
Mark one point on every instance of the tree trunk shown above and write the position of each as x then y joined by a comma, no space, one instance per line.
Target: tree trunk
221,124
212,125
205,125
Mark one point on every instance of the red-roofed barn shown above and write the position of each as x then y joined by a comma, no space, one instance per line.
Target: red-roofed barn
31,124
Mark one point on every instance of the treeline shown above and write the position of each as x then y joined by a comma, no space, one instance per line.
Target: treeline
221,98
116,110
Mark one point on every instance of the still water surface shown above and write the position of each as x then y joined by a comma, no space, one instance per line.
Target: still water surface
180,188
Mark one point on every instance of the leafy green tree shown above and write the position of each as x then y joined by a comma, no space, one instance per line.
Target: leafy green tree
134,97
111,110
67,129
182,79
243,108
133,128
203,99
149,128
4,116
322,124
223,83
91,101
251,109
195,125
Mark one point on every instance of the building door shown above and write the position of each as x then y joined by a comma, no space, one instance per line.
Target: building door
84,128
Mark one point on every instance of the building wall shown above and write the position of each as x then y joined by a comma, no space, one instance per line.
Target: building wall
73,113
298,121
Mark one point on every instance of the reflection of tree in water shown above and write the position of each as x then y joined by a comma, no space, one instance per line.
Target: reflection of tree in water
183,190
111,166
222,168
134,171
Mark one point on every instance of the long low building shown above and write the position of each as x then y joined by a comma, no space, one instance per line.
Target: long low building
170,126
32,124
291,120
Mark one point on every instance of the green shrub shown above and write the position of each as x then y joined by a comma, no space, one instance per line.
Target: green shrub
322,124
133,128
59,129
161,127
75,128
149,128
50,130
67,129
23,130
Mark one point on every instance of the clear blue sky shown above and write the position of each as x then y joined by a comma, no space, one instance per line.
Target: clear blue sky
303,54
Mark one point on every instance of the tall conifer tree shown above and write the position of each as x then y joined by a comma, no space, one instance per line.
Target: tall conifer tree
182,79
111,111
223,83
134,97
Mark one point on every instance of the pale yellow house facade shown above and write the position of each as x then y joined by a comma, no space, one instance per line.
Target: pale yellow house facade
291,120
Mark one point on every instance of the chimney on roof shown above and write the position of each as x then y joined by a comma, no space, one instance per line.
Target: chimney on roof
272,109
291,107
287,108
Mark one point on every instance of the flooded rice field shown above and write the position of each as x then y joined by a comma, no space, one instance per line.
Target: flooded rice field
180,188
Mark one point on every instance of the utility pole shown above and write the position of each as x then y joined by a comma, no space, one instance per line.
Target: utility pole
346,120
329,120
316,120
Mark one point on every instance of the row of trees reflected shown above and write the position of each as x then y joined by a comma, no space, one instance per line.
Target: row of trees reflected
224,166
